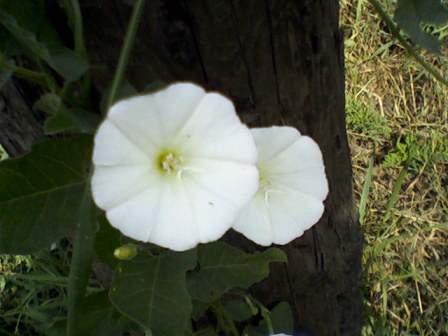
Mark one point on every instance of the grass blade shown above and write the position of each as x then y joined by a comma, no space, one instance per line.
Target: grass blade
365,191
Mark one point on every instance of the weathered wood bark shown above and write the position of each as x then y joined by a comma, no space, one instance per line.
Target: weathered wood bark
281,62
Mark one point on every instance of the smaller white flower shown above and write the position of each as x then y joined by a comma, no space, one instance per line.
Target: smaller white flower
175,167
292,187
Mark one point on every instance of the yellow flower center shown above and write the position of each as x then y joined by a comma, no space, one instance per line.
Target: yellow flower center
169,162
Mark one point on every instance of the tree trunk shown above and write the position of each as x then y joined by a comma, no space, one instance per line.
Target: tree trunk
281,62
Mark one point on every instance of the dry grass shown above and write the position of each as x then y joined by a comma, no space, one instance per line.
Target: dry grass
397,114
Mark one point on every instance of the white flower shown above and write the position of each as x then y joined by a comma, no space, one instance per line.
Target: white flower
292,187
175,167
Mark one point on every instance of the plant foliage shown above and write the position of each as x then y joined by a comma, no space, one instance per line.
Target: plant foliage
45,197
412,14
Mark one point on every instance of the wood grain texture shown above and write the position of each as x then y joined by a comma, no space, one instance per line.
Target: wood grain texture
20,125
281,62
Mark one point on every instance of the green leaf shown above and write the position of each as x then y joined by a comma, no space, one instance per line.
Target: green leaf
30,16
49,103
40,193
98,317
152,291
410,14
67,63
64,61
281,319
71,120
238,310
8,45
25,37
199,308
64,119
223,267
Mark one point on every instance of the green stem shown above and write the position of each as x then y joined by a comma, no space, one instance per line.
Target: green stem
265,313
126,50
80,47
409,48
225,321
33,76
74,17
81,260
266,316
77,29
69,13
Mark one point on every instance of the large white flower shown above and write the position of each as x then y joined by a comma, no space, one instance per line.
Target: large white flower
175,167
292,188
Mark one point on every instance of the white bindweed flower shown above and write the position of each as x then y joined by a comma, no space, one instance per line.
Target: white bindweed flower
292,188
175,167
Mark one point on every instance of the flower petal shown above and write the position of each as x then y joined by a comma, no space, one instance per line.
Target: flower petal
255,222
234,182
153,120
271,141
202,205
113,148
214,131
114,185
213,214
292,189
278,218
292,213
301,167
175,225
137,216
181,166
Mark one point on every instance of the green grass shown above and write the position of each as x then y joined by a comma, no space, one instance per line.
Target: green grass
33,291
397,125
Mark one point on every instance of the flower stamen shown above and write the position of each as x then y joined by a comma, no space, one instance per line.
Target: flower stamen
271,191
182,169
169,162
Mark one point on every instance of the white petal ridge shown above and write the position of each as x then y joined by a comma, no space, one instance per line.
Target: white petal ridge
293,187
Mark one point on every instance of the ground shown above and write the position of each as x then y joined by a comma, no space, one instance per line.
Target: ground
397,125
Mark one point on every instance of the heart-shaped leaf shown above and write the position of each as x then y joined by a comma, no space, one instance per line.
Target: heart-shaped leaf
223,267
152,291
99,317
40,194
